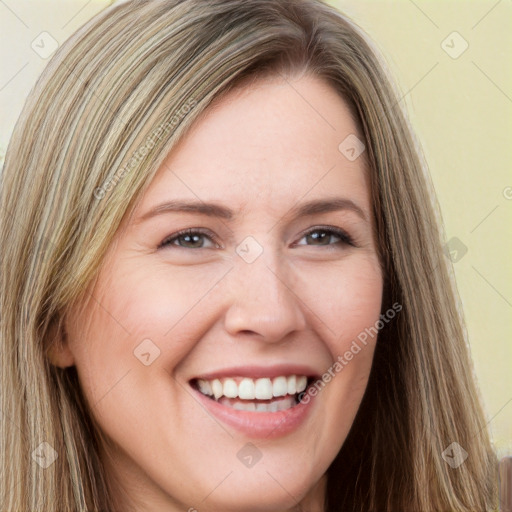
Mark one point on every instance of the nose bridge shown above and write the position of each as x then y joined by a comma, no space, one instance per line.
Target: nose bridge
262,299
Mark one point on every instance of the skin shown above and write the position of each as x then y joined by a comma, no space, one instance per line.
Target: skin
263,149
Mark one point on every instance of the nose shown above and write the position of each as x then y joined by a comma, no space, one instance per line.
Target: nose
262,301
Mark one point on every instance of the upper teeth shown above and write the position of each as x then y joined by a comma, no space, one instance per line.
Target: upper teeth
250,389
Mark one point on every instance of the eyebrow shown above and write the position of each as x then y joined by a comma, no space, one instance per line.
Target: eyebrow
313,207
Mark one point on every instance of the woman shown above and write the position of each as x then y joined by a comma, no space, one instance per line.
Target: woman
175,335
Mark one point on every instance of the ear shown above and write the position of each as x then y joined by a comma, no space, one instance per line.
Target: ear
58,351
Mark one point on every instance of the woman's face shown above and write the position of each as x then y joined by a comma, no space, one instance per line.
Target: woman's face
276,280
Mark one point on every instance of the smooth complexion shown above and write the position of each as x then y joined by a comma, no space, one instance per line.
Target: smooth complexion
262,152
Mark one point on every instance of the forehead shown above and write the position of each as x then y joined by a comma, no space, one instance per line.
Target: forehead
267,144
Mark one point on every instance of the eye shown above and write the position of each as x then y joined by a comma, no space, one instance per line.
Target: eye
191,238
194,238
322,235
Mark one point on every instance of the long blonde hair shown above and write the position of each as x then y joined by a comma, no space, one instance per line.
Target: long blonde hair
111,104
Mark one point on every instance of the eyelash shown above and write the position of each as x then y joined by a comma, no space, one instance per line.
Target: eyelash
344,237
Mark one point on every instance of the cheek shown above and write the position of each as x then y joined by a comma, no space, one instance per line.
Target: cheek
163,298
134,317
352,312
135,303
359,299
346,299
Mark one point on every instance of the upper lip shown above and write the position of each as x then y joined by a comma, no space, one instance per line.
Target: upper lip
257,372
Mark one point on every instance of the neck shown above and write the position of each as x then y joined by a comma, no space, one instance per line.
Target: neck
314,501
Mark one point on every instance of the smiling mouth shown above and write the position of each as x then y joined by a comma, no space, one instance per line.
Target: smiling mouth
255,395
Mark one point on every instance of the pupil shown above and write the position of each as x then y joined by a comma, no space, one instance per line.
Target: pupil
319,235
193,239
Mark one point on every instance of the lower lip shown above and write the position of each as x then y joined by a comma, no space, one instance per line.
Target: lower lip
259,424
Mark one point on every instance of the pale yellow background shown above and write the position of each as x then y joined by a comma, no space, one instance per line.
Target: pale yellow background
461,109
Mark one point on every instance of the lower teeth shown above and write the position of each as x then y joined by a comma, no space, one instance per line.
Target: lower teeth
274,405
